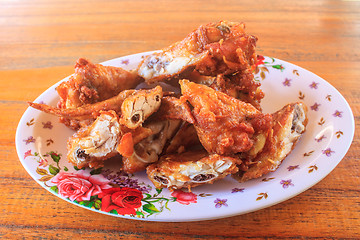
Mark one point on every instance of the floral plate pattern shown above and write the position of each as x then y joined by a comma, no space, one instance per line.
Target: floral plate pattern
41,147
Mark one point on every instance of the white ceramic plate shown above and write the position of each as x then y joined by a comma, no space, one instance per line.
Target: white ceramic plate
41,146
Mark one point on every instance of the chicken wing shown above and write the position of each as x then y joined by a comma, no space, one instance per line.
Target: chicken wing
140,155
87,111
174,108
190,169
225,125
240,86
93,83
92,145
288,125
136,108
99,141
215,48
184,140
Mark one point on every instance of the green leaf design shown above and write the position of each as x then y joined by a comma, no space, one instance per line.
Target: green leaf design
159,190
53,170
114,212
140,214
77,169
96,171
86,203
279,66
97,204
55,157
150,208
54,189
148,196
66,169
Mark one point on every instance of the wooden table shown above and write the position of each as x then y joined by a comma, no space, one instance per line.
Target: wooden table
41,40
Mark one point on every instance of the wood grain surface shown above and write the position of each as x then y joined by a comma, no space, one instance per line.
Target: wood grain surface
40,41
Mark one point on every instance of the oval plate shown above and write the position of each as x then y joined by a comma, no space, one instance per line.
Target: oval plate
41,147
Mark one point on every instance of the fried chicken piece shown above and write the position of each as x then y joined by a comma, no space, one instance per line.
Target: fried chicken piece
92,145
225,125
99,141
139,155
93,83
185,139
241,86
174,108
215,48
288,125
190,169
88,111
136,108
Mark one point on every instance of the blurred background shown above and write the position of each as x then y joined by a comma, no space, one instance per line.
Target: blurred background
42,33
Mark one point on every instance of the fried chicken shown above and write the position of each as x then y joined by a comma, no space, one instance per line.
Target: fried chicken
288,125
91,145
93,83
190,169
215,48
147,151
225,125
136,108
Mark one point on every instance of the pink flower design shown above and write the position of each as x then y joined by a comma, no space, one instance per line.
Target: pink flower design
27,154
184,197
43,162
81,185
287,82
315,107
337,114
235,190
47,124
220,202
314,85
30,139
291,168
286,183
327,152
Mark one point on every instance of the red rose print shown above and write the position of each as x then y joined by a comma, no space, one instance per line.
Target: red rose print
124,200
81,185
184,197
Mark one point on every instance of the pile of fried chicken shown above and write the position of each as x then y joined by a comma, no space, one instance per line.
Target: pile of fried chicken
189,114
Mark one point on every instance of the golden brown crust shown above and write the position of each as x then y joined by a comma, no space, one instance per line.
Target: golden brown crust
93,83
225,125
190,169
288,125
214,48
